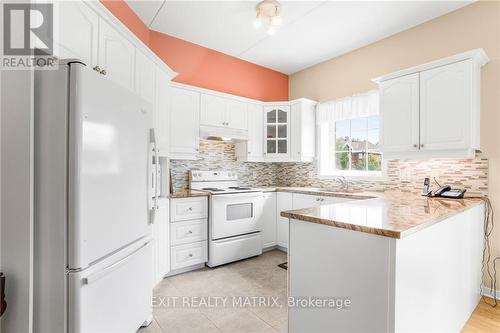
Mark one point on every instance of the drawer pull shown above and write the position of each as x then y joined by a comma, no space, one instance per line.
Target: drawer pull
190,232
190,255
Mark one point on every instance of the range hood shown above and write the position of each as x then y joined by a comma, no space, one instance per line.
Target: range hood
223,133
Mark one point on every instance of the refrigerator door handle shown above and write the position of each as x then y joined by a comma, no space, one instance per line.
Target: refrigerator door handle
154,175
97,275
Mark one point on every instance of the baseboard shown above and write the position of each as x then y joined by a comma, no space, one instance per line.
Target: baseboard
485,291
274,247
185,270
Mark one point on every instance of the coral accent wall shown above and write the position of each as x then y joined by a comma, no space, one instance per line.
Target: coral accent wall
203,67
207,68
127,16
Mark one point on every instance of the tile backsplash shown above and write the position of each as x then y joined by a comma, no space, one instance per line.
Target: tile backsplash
471,174
219,155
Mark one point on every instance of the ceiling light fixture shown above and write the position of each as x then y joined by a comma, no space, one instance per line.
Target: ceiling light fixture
268,9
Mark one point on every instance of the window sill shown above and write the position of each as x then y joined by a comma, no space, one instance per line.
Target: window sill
376,176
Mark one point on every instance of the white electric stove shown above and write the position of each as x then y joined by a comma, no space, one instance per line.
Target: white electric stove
234,216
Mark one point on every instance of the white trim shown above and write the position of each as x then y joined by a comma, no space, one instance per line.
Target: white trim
106,15
485,291
478,55
184,270
427,154
215,93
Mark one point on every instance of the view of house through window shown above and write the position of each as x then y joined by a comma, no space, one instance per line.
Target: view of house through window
357,144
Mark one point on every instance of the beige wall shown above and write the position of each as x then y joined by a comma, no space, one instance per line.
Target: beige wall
474,26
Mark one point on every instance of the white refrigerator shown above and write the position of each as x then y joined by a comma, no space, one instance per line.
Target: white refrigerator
95,191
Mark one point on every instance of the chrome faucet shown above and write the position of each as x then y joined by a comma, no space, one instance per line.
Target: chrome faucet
344,182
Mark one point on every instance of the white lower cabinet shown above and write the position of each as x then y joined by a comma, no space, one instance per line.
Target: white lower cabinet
161,241
301,201
188,233
284,201
288,201
268,220
189,255
183,209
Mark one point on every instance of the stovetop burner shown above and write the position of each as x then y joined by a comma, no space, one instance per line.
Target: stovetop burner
213,189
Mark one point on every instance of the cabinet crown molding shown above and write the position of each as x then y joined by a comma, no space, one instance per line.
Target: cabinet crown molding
478,55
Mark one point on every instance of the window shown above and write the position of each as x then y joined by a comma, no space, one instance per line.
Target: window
357,143
348,137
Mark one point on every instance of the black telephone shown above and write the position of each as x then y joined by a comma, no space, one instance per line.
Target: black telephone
454,193
439,192
443,191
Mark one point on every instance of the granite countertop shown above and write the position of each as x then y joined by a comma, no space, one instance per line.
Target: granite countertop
390,214
188,194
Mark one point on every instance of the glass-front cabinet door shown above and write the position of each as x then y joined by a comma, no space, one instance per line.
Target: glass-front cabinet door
277,131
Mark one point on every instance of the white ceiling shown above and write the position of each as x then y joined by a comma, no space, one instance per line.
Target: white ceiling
311,32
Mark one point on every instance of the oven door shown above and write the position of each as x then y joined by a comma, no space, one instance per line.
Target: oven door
235,214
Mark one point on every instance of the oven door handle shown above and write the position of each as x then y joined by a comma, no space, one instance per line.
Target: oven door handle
237,196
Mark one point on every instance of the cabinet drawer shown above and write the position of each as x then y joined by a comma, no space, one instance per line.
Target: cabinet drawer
188,209
188,232
188,255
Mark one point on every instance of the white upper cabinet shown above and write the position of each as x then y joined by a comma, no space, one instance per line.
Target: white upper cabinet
184,123
220,111
433,110
399,115
144,76
446,107
213,110
116,55
277,131
302,133
162,95
78,32
252,149
89,32
236,115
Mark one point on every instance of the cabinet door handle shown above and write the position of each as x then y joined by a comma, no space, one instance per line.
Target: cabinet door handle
97,69
103,72
422,145
190,255
190,209
415,146
190,232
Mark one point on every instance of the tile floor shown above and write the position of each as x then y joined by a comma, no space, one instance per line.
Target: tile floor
257,276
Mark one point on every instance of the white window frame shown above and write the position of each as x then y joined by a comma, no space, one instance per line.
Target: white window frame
346,114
